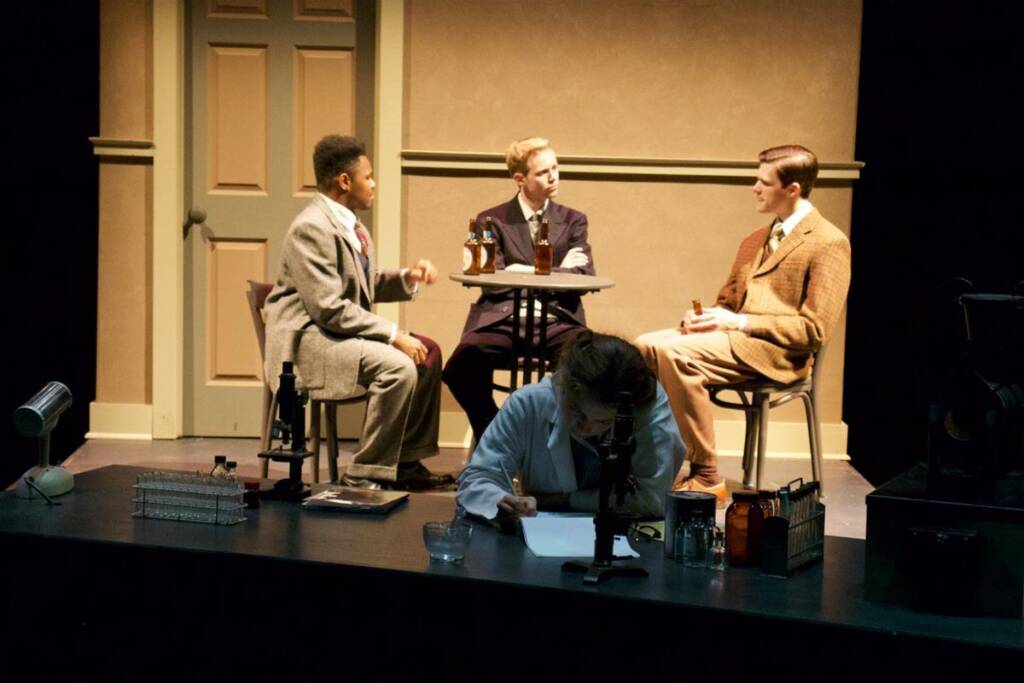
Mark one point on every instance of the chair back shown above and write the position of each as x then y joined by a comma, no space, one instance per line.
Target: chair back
257,296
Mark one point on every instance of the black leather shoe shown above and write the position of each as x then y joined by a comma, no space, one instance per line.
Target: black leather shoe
360,483
416,477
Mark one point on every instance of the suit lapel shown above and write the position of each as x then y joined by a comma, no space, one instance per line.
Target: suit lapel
794,240
557,225
370,276
364,287
519,232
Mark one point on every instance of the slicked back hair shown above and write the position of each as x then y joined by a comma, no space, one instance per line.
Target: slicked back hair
794,164
517,157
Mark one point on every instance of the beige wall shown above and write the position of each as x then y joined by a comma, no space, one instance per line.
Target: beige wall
630,78
686,80
124,329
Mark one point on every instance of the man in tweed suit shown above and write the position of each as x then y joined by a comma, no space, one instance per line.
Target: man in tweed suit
318,316
781,300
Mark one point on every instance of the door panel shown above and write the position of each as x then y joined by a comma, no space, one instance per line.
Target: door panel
268,79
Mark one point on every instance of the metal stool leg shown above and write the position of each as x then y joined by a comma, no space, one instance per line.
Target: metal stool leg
814,437
749,443
332,441
762,400
269,410
314,428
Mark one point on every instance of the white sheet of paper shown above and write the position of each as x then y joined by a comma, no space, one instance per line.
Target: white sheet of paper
570,536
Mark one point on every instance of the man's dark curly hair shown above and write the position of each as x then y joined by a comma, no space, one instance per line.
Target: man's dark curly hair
334,155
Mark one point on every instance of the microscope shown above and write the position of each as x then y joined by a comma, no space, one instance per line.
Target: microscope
291,426
616,453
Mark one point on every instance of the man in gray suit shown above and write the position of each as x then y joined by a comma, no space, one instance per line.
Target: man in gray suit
319,317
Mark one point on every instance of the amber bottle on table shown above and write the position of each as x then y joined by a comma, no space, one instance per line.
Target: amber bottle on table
471,251
744,529
487,247
542,251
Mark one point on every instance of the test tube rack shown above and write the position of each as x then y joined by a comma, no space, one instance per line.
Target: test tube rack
796,536
189,497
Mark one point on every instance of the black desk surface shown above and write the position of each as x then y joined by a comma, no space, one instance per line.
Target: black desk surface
830,593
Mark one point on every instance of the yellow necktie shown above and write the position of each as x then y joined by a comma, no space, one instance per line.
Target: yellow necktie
776,238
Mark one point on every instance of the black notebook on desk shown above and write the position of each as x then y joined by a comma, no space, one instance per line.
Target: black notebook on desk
348,499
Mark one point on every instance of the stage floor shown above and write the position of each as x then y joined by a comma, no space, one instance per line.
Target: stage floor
846,489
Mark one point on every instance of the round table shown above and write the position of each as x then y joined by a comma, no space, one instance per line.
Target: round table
536,287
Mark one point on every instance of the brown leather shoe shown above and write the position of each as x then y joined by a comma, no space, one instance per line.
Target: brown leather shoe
718,490
416,477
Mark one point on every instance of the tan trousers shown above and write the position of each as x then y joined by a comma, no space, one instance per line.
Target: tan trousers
685,364
402,411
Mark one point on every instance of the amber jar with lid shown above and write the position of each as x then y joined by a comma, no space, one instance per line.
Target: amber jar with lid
744,526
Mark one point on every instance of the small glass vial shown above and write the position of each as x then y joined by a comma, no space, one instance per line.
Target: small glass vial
219,466
679,543
487,247
716,556
698,531
471,251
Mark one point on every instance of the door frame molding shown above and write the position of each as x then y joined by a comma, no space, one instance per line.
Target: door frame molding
168,217
389,64
169,189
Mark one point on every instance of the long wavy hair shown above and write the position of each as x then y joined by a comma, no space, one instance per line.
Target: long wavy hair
595,367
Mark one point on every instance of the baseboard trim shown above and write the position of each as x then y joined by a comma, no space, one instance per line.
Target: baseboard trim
120,421
455,431
785,439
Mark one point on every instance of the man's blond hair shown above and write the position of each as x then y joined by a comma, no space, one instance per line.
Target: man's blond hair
517,158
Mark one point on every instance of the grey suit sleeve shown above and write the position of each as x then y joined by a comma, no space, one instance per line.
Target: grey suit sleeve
311,257
389,286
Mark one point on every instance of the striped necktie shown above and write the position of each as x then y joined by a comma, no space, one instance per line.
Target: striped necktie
364,240
776,238
534,222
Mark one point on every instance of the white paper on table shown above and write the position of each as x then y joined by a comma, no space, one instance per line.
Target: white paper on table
567,536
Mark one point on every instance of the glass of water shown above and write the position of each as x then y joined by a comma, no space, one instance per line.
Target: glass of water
447,541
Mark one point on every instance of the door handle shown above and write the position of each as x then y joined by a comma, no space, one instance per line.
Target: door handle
196,216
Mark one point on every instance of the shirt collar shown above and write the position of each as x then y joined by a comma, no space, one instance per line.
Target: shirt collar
341,212
803,207
527,211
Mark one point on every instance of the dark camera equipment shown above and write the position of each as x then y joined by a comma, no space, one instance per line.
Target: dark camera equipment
976,420
616,453
948,536
291,427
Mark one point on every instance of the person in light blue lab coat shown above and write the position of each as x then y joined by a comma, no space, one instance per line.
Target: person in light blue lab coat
547,434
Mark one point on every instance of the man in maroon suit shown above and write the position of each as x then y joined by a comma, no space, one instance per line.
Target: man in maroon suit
487,335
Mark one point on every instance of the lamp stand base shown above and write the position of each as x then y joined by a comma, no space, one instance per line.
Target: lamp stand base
53,480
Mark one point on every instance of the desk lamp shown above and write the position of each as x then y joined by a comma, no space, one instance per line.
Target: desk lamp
37,417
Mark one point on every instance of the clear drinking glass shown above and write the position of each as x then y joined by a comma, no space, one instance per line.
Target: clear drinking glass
447,541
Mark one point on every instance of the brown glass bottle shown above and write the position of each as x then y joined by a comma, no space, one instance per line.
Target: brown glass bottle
487,247
542,251
744,528
471,252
